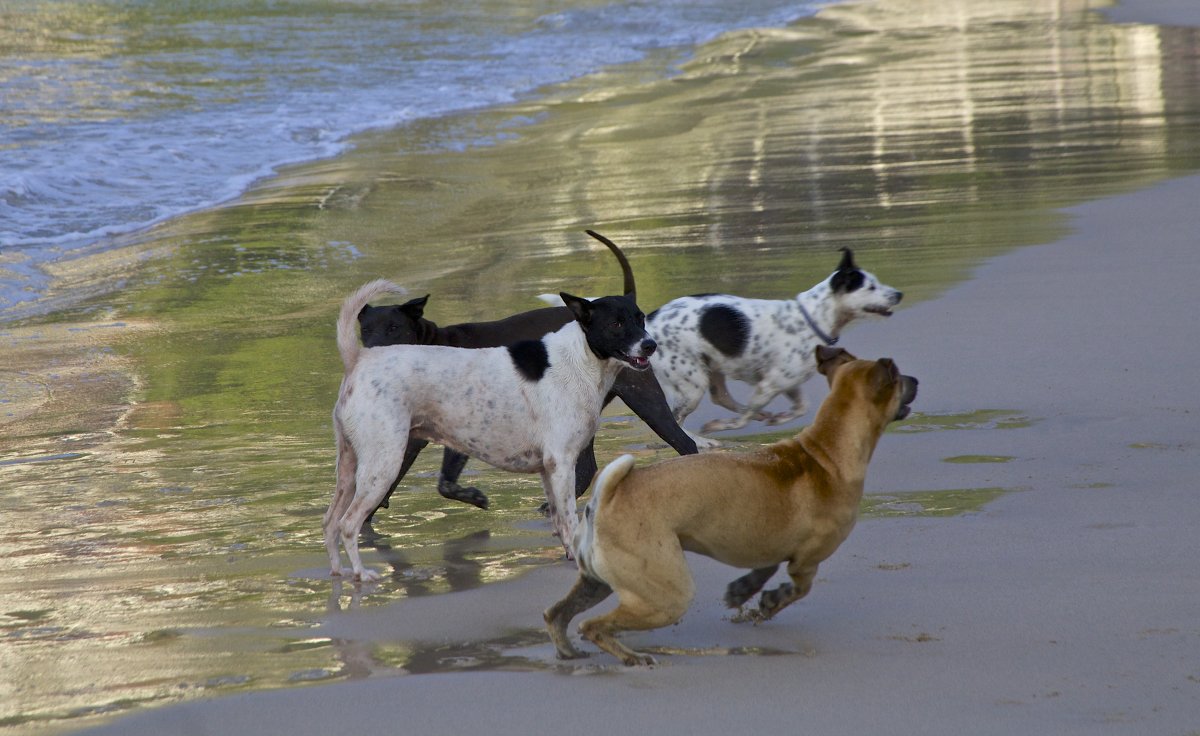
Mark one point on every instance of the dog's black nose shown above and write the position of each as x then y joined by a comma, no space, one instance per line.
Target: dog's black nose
648,347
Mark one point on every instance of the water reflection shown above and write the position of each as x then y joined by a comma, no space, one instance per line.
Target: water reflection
166,451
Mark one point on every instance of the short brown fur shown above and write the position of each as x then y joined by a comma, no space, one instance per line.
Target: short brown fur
793,502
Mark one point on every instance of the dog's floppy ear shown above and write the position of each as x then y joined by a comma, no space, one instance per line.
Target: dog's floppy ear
847,278
415,307
829,359
580,307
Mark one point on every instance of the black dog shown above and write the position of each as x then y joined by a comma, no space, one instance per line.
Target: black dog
405,324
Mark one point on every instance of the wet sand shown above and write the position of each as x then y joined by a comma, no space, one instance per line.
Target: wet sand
1067,605
169,441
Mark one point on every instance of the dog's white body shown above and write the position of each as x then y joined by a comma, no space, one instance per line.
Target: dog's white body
475,401
767,343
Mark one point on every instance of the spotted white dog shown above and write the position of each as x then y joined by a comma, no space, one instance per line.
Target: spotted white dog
529,407
704,339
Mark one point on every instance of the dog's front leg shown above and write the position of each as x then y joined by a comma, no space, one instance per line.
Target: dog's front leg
772,602
720,393
745,587
763,393
798,408
558,481
452,466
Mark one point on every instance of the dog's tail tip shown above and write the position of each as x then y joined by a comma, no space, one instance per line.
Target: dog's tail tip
347,334
613,474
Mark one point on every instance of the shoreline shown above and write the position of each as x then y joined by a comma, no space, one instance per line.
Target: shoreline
1066,606
982,327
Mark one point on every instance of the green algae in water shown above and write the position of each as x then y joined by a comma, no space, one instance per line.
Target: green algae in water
981,419
932,503
973,459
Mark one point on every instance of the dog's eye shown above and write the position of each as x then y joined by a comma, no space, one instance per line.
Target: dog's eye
619,324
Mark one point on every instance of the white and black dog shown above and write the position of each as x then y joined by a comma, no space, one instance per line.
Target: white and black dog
529,407
704,339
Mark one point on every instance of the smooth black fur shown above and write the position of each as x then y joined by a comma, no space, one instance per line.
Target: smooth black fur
725,328
530,358
639,390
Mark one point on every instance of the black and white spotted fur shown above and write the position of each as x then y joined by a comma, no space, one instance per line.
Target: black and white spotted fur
770,344
529,407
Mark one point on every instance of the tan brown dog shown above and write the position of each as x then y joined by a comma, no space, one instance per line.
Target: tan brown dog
794,501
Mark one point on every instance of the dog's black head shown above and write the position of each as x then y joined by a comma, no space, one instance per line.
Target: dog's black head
400,324
614,327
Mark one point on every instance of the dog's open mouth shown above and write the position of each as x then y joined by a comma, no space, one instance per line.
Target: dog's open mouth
881,311
909,392
636,361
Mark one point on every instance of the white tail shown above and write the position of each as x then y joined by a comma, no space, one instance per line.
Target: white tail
585,534
347,324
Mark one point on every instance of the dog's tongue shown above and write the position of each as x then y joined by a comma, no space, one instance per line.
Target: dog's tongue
638,362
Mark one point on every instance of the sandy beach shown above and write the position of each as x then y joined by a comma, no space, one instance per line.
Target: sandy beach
1026,558
1067,605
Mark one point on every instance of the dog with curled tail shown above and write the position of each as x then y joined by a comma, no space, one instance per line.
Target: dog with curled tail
792,502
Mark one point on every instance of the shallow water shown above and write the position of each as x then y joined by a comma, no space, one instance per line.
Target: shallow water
166,450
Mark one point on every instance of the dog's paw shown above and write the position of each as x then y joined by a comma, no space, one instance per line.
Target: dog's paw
469,494
634,659
368,576
781,418
706,444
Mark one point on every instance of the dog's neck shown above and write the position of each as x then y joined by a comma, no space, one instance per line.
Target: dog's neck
574,361
846,453
820,311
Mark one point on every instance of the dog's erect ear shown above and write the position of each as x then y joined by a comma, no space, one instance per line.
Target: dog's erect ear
415,308
829,359
580,307
847,278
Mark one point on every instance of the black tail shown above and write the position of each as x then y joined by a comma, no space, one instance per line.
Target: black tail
630,288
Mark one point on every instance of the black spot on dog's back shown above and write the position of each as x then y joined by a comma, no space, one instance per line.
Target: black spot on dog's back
725,328
530,358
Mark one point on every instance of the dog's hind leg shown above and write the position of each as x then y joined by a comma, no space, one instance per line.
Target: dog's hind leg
343,494
653,591
587,593
745,587
453,463
410,456
377,466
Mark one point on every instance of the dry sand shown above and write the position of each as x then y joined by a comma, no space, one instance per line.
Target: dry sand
1067,606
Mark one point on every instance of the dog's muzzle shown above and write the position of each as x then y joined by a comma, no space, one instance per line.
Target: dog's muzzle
908,392
641,361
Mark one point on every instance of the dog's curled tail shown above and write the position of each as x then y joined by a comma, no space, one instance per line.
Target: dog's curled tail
347,324
584,542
